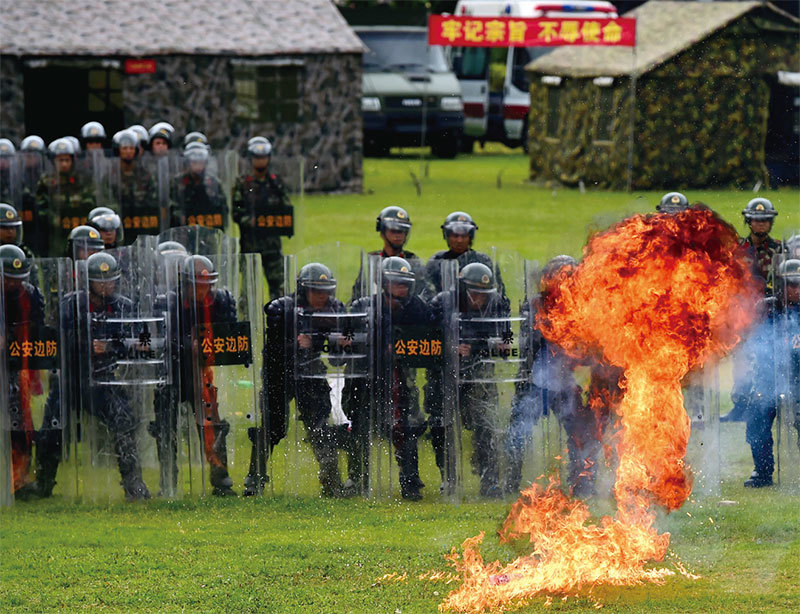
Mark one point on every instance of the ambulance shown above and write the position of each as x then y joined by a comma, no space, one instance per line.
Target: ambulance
494,83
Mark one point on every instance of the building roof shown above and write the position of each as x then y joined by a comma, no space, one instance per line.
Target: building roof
663,29
163,27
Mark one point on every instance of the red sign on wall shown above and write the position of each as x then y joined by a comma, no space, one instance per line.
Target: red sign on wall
140,67
522,32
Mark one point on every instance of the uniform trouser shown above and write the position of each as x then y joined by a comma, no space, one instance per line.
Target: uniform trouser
478,406
114,410
21,431
442,426
271,261
583,445
165,430
758,433
212,430
50,440
314,407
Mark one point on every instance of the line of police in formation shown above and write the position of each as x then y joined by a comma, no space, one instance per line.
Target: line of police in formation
411,293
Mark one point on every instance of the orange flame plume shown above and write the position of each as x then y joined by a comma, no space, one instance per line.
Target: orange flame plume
656,295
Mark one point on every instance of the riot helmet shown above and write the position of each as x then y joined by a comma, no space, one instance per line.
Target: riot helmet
84,241
166,126
793,246
93,132
789,279
477,277
199,270
160,131
759,210
76,144
33,144
316,276
196,155
672,202
109,225
16,265
259,149
552,268
459,223
171,248
144,136
103,267
99,211
10,222
195,137
258,139
124,138
397,272
62,147
7,149
393,218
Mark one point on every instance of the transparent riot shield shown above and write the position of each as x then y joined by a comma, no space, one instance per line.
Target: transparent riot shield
124,352
92,168
11,180
66,199
407,343
221,341
702,400
6,480
33,230
39,390
202,240
131,191
327,351
164,169
200,193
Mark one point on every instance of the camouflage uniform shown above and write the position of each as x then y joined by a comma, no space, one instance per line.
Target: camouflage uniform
255,198
762,258
63,202
136,200
198,199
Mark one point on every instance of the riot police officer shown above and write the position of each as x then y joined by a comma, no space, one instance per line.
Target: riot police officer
93,136
24,312
672,202
773,347
394,385
83,241
258,197
101,339
63,199
133,188
759,215
196,196
479,305
458,231
109,226
394,225
33,157
195,137
289,332
11,232
202,304
161,135
8,178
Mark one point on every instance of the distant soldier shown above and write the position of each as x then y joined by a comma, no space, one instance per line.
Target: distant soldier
11,231
195,137
259,197
109,226
93,136
759,215
63,199
196,196
672,202
394,225
133,189
33,158
161,135
8,178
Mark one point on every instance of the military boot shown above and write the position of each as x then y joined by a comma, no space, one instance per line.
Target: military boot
257,474
129,467
220,480
406,455
48,455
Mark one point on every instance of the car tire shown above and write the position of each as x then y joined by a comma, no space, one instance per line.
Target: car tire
446,147
467,144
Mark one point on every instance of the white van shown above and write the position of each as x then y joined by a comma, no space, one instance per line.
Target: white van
493,80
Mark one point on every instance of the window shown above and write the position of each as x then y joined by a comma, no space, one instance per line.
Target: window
471,62
553,101
268,93
606,114
105,90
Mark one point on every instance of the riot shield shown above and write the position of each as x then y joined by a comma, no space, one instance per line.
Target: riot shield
132,192
38,380
65,201
221,338
702,400
33,230
92,168
6,480
164,169
407,343
200,193
124,349
11,180
202,240
327,351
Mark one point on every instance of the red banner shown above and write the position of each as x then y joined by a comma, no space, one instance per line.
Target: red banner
140,67
521,32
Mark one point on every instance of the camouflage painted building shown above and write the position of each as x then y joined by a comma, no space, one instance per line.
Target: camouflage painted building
709,109
290,70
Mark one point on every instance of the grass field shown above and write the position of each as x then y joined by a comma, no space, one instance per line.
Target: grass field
305,554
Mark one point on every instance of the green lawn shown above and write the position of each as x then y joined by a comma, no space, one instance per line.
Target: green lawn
304,554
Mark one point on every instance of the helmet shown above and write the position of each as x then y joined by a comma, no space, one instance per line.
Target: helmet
141,132
789,270
108,222
396,270
103,267
7,148
9,218
75,143
556,264
459,222
160,131
16,264
196,152
171,248
760,210
316,276
86,237
393,218
124,138
257,139
33,144
672,202
793,246
199,270
476,277
195,137
62,146
258,149
93,132
99,211
163,126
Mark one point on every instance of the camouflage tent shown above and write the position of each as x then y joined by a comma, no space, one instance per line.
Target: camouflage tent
232,69
701,78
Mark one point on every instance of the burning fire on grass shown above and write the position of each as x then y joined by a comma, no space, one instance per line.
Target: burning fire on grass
656,296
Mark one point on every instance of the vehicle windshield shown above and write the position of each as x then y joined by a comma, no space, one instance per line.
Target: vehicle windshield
402,51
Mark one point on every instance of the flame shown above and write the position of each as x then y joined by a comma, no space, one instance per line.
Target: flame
655,295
